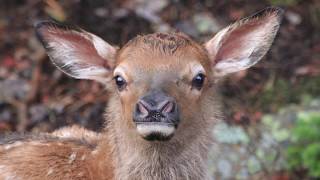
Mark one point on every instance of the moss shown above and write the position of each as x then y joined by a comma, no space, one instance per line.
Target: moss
304,152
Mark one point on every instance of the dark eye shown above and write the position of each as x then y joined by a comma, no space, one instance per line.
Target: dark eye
120,82
198,81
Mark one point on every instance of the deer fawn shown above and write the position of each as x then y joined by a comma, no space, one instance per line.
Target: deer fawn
162,109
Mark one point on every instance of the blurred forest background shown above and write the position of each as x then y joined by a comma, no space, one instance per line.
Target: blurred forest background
271,128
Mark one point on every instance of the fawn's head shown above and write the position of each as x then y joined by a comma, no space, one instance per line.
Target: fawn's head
161,79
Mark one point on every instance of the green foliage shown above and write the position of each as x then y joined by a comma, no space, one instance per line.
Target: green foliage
304,152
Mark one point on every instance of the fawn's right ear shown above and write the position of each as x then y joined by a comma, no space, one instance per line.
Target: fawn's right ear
76,52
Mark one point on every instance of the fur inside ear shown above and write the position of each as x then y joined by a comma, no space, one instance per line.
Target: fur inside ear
242,44
76,52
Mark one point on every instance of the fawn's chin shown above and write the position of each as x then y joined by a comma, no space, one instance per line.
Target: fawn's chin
156,131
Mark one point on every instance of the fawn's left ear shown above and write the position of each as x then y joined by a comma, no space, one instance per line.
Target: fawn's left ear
77,53
244,43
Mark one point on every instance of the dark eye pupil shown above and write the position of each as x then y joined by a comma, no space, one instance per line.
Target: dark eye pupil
120,82
198,81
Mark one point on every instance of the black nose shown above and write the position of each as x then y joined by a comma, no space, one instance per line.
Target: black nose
156,106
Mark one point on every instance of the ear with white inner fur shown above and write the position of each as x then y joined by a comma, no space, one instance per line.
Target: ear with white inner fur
244,43
76,52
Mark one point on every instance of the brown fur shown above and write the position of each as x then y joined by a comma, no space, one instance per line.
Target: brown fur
51,157
158,61
184,156
60,155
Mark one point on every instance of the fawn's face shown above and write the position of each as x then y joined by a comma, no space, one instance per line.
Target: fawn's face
160,78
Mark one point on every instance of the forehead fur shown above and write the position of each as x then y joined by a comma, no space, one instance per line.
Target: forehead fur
163,42
162,46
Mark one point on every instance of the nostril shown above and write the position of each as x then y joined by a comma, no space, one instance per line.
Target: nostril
142,110
168,107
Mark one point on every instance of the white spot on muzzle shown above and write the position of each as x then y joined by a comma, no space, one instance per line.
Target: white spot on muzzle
147,129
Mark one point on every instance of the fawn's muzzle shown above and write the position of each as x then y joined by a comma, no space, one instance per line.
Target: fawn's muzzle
156,116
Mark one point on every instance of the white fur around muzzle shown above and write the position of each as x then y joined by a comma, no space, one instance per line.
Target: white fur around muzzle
147,129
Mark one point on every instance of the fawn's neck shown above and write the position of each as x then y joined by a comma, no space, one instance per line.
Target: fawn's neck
135,158
158,160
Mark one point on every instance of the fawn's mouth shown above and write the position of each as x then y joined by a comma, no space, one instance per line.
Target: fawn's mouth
156,131
156,116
